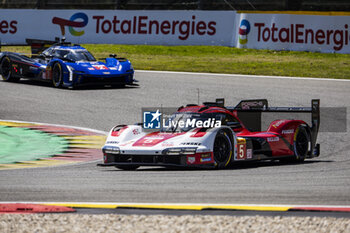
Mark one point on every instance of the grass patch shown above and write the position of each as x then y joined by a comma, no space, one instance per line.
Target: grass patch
218,59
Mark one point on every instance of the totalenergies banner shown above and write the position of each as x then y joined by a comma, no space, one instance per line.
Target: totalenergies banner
299,32
119,27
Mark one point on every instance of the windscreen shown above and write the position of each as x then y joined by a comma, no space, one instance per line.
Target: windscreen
79,55
74,55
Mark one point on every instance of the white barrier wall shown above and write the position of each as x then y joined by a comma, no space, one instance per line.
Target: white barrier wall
119,27
318,33
277,31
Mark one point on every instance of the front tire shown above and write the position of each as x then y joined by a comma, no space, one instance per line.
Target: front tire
127,167
6,71
57,75
222,149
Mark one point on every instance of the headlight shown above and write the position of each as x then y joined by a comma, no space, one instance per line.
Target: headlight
111,150
180,151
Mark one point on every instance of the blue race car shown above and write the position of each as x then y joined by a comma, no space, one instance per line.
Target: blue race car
66,65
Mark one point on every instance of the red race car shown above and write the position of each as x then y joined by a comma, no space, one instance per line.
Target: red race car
212,135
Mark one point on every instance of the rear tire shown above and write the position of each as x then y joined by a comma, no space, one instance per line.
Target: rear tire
222,149
127,167
6,70
301,144
57,75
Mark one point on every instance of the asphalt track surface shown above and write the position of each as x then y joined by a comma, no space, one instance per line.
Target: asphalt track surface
321,181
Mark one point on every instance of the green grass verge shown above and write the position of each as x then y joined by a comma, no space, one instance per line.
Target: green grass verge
218,59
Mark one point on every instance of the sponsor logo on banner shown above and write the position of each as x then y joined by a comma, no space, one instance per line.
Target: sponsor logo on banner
244,29
71,23
301,34
182,27
146,25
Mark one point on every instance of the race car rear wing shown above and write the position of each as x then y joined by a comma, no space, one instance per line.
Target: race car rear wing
249,112
36,45
7,45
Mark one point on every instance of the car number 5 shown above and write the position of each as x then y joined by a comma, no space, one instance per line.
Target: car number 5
241,151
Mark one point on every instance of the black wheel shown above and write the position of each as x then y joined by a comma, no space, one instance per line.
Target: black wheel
57,76
6,70
127,167
222,149
301,144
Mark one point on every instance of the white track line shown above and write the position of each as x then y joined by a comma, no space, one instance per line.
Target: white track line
244,75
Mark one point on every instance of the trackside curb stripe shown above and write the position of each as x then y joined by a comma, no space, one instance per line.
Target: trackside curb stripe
82,145
78,205
174,207
195,206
